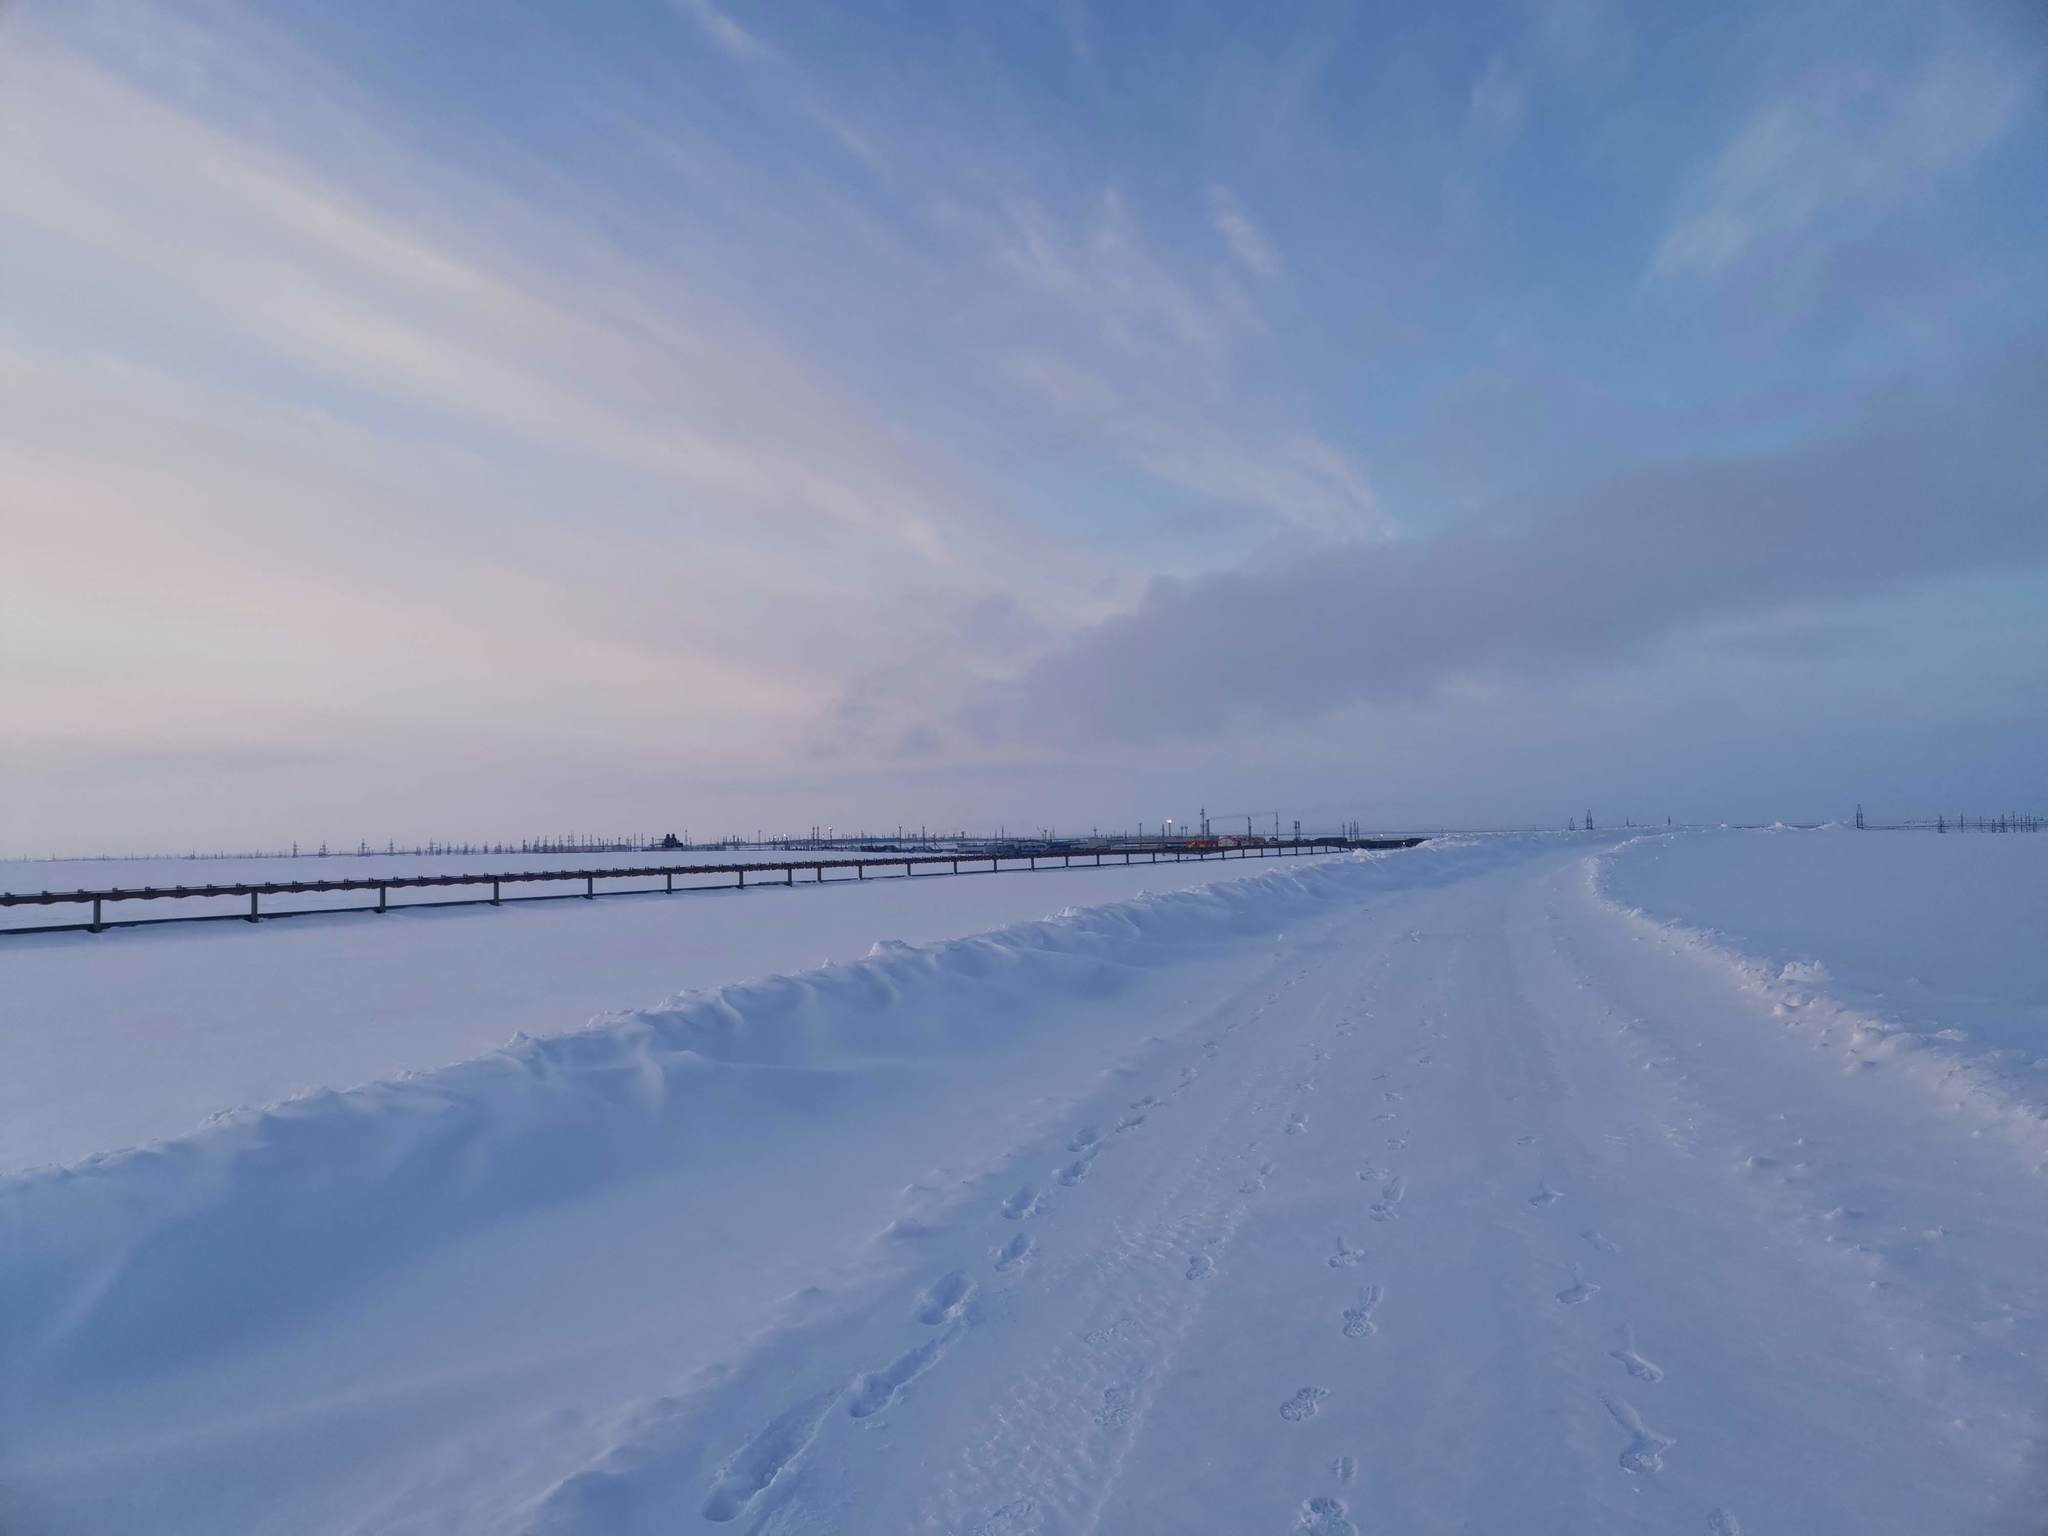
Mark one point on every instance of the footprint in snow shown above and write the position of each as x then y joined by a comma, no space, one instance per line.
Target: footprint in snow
1344,1468
1013,1253
1605,1245
1303,1404
1296,1123
1077,1170
945,1299
1015,1517
1387,1205
1645,1449
873,1391
1545,1195
1346,1258
1578,1293
1022,1204
1115,1411
1358,1323
750,1469
1200,1266
1084,1139
1325,1515
1095,1338
1633,1363
1721,1523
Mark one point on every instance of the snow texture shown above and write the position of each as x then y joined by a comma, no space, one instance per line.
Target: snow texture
1441,1191
138,1034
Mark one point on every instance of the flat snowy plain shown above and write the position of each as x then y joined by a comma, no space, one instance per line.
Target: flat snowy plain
1688,1184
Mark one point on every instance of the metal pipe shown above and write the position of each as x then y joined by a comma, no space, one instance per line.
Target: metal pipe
255,891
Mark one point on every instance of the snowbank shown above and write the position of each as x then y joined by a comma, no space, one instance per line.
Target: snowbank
1815,925
140,1034
133,1261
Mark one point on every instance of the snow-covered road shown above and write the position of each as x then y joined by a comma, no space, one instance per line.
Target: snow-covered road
1474,1202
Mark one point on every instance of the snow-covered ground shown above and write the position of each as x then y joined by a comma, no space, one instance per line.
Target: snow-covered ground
1452,1190
1940,941
141,1033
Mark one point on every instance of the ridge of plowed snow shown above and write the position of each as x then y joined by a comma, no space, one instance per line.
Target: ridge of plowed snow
1795,992
134,1258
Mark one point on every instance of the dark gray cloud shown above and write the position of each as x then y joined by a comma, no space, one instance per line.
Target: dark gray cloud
1918,488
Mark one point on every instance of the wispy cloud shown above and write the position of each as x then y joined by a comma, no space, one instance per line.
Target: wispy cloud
723,30
1105,272
293,266
1839,146
1247,242
1500,100
1299,481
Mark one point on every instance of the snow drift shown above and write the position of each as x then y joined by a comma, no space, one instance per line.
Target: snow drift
1966,1040
134,1261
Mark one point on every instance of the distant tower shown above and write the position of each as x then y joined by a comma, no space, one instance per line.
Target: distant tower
1589,821
1859,818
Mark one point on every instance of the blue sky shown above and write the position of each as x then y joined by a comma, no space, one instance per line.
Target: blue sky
470,420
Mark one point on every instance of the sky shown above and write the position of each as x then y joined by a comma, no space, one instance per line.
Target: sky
488,420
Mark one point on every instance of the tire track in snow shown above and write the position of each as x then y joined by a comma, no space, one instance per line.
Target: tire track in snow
1057,1435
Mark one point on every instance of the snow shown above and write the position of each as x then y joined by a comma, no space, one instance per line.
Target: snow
1479,1187
137,1034
1921,952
